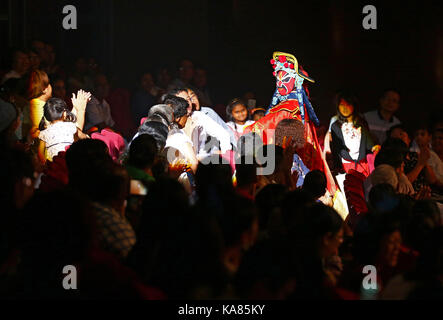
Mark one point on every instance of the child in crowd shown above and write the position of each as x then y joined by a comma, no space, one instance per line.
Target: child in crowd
258,113
422,140
237,114
59,126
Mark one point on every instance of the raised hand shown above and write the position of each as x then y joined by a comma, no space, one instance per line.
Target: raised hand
81,100
375,149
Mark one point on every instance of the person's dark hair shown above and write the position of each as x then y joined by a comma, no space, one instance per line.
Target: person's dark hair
231,105
142,73
142,151
238,215
290,128
323,219
386,90
158,130
179,105
162,113
213,181
176,91
82,158
258,111
392,152
38,81
107,183
422,125
397,126
315,183
350,98
53,110
269,200
383,198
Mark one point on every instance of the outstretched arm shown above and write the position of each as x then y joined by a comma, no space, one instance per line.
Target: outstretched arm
79,102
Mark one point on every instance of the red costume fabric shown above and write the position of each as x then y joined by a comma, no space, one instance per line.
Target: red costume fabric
311,155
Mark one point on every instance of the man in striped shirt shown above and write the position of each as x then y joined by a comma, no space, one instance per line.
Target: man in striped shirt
383,118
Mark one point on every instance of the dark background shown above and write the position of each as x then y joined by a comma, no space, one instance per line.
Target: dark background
235,39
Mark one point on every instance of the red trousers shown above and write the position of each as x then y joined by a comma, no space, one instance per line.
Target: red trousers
362,167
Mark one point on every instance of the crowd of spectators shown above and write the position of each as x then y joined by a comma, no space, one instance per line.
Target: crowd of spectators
153,194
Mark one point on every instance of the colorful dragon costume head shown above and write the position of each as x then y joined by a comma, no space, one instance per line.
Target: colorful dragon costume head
289,81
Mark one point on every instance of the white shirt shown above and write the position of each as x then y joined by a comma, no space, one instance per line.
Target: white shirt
239,128
178,140
352,138
205,127
57,137
98,112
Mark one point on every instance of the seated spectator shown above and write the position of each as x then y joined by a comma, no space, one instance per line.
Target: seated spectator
144,98
315,184
59,91
389,165
185,74
108,190
13,91
200,81
9,121
50,65
178,250
98,111
422,139
416,166
34,60
20,65
258,113
120,104
317,242
380,120
163,78
437,142
142,154
79,78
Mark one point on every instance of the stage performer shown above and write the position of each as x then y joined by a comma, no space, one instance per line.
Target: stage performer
291,101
